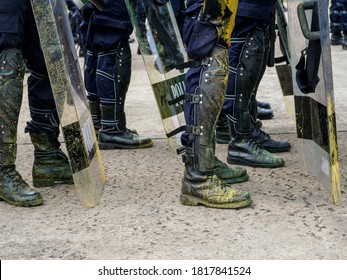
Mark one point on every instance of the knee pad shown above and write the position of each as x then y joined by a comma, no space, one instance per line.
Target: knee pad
12,66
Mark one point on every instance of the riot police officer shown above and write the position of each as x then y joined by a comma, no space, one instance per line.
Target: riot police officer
206,34
248,56
338,22
20,46
107,73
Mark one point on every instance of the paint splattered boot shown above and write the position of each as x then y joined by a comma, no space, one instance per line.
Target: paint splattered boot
14,190
51,165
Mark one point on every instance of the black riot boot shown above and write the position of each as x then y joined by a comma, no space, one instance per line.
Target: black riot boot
246,141
51,165
205,177
114,134
263,104
244,150
13,189
263,138
264,111
265,114
209,190
222,128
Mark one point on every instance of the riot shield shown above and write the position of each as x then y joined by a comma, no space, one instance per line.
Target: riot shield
309,42
282,63
69,94
162,50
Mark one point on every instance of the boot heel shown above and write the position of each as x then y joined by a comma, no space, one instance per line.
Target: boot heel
40,183
188,200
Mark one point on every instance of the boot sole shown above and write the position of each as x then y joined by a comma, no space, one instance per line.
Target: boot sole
236,180
195,201
238,161
23,204
113,146
283,150
265,117
49,183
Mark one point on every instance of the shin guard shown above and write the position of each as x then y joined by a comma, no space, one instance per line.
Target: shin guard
11,91
206,103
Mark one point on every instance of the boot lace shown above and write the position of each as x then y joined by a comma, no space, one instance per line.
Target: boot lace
15,177
261,132
252,143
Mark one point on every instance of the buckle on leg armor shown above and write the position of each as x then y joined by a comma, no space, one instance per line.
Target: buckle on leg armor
193,98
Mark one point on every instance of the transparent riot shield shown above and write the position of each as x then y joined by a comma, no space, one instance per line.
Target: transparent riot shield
69,94
314,109
283,67
162,50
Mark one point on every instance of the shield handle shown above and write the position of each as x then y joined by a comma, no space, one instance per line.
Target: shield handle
309,35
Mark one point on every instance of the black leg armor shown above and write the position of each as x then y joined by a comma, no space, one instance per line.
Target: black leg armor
248,73
207,103
11,85
13,189
253,102
249,145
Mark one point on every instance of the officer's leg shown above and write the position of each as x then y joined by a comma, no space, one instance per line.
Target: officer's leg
51,165
112,79
260,136
202,182
206,180
245,58
336,9
13,188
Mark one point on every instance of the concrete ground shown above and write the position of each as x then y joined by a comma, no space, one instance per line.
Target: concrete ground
140,216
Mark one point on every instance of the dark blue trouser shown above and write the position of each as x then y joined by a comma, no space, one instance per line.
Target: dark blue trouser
338,17
102,42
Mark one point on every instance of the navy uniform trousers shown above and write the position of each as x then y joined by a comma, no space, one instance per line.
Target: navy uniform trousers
103,33
338,17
